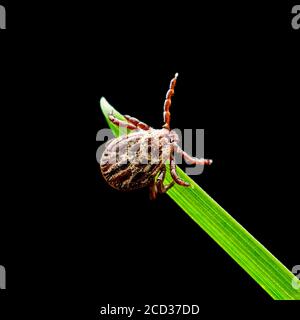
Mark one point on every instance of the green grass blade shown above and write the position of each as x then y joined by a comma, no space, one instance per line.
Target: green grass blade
251,255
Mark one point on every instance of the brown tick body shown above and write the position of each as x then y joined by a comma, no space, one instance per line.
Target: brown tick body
134,161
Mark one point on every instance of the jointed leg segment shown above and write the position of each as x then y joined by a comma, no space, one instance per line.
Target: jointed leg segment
131,124
167,104
173,170
152,190
160,182
139,124
121,123
191,160
158,185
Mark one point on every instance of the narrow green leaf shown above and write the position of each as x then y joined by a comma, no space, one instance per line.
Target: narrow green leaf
251,255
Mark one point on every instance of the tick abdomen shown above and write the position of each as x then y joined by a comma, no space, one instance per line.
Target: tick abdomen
132,161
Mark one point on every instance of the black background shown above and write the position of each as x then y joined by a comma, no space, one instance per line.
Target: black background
238,80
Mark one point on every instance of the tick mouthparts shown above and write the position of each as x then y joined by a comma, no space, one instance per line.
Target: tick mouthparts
176,75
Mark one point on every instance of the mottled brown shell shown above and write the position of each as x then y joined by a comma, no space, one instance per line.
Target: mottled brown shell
132,161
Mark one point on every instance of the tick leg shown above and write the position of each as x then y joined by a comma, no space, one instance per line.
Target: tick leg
191,160
139,124
153,190
167,104
173,170
160,182
121,123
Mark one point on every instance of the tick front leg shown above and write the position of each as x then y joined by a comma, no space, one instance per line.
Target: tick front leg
168,101
192,160
136,122
121,123
160,182
173,170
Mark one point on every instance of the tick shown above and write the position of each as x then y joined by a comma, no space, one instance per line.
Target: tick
138,159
